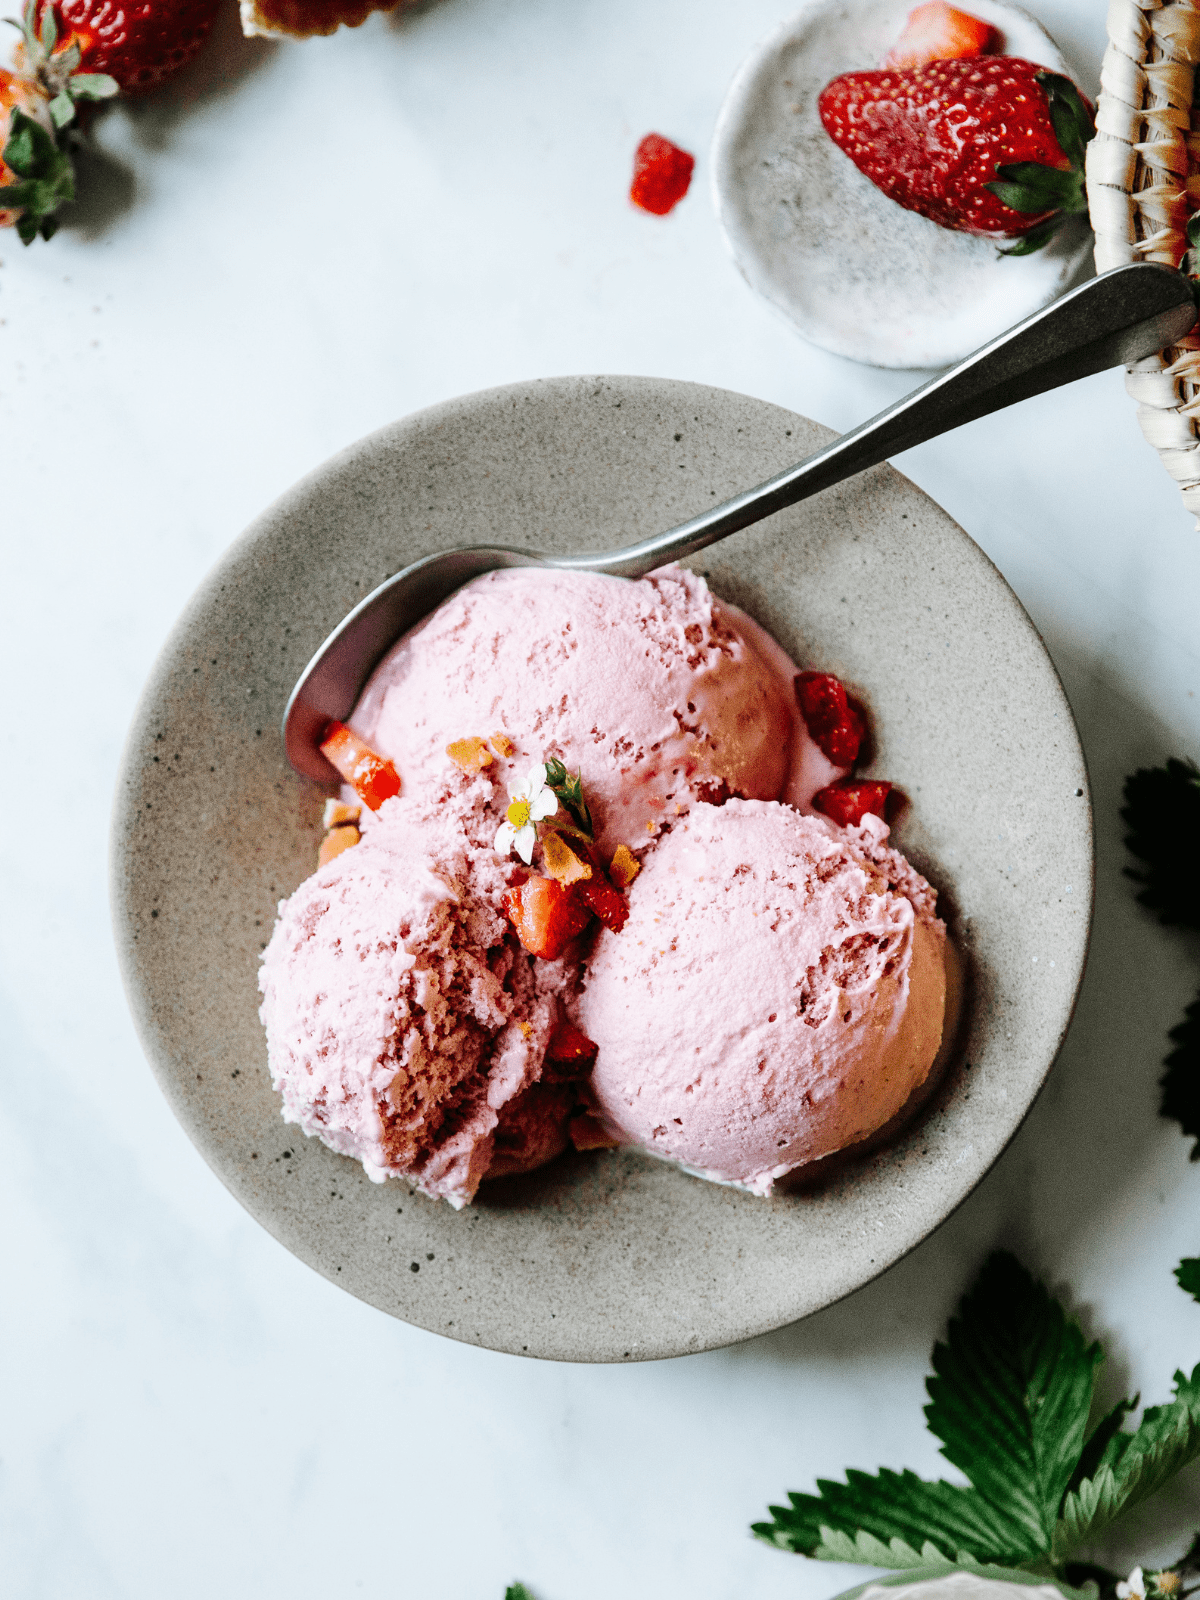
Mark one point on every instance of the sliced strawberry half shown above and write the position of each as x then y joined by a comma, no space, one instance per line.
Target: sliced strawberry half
570,1045
546,916
372,777
609,904
940,32
834,723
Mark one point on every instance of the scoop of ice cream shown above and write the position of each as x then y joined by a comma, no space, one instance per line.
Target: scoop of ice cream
777,993
401,1014
657,693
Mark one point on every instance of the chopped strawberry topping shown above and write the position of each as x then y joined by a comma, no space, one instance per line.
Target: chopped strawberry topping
609,904
835,724
372,778
940,32
662,173
567,1043
847,801
546,916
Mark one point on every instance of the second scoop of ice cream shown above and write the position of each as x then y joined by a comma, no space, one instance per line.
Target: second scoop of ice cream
777,993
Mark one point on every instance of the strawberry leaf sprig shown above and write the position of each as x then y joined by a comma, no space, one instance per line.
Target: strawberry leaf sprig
1010,1401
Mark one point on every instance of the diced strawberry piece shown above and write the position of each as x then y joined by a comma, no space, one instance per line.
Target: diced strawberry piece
546,916
609,904
568,1043
848,801
836,726
940,32
662,173
372,778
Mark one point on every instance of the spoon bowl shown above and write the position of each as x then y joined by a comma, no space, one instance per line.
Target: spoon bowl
1118,318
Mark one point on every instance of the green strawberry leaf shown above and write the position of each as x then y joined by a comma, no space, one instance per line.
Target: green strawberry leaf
1133,1467
27,229
517,1591
1180,1083
1193,230
1036,239
1102,1433
1028,186
1011,1397
1069,116
46,177
49,33
62,109
1188,1274
894,1519
92,86
1162,807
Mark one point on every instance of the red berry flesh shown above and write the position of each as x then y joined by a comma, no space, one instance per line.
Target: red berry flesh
848,801
609,904
834,724
546,916
940,32
373,778
662,173
569,1044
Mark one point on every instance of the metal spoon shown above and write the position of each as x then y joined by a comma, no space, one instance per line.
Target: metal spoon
1117,318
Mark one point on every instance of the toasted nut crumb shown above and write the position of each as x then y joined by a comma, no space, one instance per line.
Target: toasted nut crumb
472,755
526,1028
561,862
586,1134
337,840
625,867
337,813
503,745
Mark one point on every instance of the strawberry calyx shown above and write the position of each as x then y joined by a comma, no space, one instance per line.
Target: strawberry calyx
1029,187
37,110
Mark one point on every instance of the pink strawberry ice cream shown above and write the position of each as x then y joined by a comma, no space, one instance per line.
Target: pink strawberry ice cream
777,993
654,691
402,1016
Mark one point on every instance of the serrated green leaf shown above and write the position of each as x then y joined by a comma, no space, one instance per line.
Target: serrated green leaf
1010,1399
1097,1447
895,1515
1188,1274
1162,806
1135,1466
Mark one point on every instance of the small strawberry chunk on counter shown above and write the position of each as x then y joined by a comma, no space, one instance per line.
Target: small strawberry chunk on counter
373,778
569,1043
836,726
546,916
609,904
940,32
662,174
847,801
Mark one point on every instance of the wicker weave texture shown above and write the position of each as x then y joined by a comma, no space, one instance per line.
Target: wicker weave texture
1143,182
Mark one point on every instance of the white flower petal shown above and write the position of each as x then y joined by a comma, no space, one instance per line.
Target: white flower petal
505,837
537,777
542,805
524,841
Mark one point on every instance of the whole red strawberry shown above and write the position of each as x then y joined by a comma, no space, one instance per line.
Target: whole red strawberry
140,43
988,146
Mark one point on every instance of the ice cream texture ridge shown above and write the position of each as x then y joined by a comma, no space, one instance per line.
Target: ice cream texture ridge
580,891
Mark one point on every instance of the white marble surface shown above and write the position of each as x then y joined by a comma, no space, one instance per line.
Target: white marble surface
295,246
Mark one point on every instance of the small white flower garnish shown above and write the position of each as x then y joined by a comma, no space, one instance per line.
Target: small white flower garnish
529,804
1134,1587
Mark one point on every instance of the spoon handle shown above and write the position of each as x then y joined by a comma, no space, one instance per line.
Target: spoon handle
1115,319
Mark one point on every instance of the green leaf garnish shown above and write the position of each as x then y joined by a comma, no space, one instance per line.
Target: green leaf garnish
46,178
569,792
1035,239
92,86
517,1591
1188,1274
1010,1396
1069,116
1161,810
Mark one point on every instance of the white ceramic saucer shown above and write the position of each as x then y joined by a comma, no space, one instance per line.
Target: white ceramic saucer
610,1256
855,272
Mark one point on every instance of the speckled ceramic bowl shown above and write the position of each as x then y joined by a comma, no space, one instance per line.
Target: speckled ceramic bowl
610,1256
852,270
